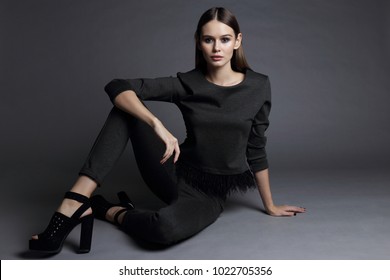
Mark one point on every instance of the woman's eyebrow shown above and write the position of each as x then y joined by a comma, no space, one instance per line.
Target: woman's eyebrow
226,35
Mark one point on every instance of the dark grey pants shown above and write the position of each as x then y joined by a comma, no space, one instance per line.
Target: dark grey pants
188,210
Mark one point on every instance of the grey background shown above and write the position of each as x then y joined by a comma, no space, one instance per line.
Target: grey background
328,61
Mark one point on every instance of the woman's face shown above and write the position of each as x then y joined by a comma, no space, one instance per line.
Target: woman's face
217,43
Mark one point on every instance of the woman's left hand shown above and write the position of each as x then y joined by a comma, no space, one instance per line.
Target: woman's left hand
285,210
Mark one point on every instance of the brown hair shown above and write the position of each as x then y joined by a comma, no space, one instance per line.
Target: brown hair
223,15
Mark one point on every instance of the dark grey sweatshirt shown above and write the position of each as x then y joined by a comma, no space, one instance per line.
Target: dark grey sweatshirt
225,141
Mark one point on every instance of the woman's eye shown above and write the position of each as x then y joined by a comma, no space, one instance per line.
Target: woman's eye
225,40
208,40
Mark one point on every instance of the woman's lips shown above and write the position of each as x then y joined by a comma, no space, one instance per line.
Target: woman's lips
216,57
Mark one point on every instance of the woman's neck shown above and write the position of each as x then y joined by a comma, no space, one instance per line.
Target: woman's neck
224,76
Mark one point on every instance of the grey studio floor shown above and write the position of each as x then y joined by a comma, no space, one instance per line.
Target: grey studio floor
347,218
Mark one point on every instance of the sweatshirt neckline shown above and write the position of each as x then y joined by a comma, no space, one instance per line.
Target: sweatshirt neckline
226,87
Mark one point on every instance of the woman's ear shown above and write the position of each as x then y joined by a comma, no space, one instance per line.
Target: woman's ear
238,41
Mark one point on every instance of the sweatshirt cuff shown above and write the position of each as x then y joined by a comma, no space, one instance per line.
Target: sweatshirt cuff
115,87
258,166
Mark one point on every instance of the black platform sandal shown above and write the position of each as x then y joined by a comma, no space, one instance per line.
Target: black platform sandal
100,206
51,240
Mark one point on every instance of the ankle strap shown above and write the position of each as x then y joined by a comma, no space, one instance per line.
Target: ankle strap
76,196
117,214
80,198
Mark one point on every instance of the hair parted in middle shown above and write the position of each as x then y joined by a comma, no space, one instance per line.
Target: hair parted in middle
238,61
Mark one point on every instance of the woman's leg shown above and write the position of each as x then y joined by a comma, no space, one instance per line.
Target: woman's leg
189,214
108,148
148,150
83,185
188,210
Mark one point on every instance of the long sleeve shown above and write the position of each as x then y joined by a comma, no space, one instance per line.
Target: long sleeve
256,153
166,89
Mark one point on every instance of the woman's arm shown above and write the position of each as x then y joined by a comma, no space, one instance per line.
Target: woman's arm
130,103
263,183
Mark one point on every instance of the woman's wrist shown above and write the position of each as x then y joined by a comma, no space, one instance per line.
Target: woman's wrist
270,208
154,122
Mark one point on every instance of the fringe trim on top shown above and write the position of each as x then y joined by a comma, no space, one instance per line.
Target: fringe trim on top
215,184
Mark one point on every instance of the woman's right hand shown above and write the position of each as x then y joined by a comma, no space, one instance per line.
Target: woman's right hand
171,143
129,102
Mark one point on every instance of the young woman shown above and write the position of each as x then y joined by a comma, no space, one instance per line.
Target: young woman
225,106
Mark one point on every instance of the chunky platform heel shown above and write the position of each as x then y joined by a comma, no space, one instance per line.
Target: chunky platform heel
52,239
100,206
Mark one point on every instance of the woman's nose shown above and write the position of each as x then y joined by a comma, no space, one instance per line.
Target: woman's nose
216,46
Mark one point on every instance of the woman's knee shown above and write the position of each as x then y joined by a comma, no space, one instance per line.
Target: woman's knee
171,228
166,231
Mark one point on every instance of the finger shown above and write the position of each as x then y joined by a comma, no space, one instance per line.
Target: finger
163,159
177,153
295,209
169,151
300,210
289,214
292,213
173,148
166,155
283,213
